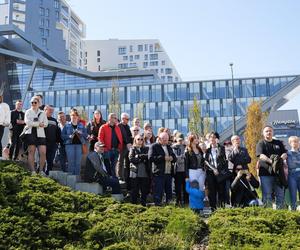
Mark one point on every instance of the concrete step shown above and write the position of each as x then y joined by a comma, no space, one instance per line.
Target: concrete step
72,180
94,188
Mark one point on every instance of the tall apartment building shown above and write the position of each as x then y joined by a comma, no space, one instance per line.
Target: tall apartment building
74,31
114,54
51,24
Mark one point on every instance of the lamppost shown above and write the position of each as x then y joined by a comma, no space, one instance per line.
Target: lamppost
233,114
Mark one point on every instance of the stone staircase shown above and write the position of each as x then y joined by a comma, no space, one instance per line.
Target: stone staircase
75,183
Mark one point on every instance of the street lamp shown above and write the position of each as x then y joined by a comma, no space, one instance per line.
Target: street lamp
233,114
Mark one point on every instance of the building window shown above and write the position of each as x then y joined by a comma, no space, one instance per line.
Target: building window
131,48
170,78
156,70
122,50
125,58
145,64
56,4
146,57
132,65
140,47
123,66
47,23
57,15
98,60
131,58
168,71
42,11
6,20
151,48
41,2
86,54
47,12
146,47
44,42
161,71
42,22
154,63
163,62
137,57
47,33
42,32
98,52
99,67
153,56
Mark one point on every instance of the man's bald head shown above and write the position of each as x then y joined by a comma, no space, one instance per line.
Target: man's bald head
163,138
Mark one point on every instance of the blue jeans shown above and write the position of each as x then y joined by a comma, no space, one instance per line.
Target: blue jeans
294,185
74,154
270,184
113,156
161,184
50,155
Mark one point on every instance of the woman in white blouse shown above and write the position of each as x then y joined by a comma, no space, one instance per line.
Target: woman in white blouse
36,121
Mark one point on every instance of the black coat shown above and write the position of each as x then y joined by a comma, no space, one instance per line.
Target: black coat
136,157
239,157
93,172
157,156
222,163
191,161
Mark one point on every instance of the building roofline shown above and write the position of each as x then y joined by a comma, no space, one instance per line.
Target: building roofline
76,71
10,29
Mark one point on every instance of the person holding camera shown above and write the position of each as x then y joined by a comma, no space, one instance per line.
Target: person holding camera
243,187
139,170
74,134
35,137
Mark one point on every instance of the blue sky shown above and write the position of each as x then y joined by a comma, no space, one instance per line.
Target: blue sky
261,37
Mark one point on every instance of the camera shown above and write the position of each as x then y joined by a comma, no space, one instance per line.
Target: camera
36,119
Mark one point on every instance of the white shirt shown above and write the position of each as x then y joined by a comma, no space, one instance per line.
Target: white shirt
4,114
214,152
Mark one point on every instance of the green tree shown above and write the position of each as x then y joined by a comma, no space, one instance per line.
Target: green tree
139,112
195,124
114,104
256,120
206,126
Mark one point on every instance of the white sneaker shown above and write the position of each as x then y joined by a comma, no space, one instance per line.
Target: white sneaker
33,173
43,174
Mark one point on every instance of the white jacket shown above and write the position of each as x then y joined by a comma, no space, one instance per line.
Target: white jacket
4,114
30,114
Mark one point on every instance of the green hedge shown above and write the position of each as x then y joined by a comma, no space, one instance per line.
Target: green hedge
38,213
254,228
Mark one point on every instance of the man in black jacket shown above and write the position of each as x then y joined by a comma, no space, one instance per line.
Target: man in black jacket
97,169
16,128
163,157
53,137
122,170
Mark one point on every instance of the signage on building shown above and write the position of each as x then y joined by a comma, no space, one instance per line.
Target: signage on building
285,123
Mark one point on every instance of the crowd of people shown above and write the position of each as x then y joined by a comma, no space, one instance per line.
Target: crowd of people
197,169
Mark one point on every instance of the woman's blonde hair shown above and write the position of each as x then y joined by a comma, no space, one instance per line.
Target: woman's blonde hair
293,138
135,140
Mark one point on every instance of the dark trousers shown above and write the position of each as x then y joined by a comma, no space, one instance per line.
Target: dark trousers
161,184
182,196
1,135
112,155
216,191
138,185
50,154
61,157
112,182
122,167
15,144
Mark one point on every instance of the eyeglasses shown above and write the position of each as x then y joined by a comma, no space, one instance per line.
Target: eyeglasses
126,118
33,102
140,139
136,130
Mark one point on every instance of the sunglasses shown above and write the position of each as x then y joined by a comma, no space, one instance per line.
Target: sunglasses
140,139
33,102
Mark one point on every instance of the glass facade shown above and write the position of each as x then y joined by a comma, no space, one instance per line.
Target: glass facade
164,104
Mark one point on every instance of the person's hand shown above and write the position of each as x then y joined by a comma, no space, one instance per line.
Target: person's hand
248,176
167,158
240,173
284,156
170,158
41,124
216,172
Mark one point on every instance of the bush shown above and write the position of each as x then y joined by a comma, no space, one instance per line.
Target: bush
254,228
38,213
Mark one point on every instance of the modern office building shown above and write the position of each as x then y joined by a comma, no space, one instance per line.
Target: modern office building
164,104
115,54
50,24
